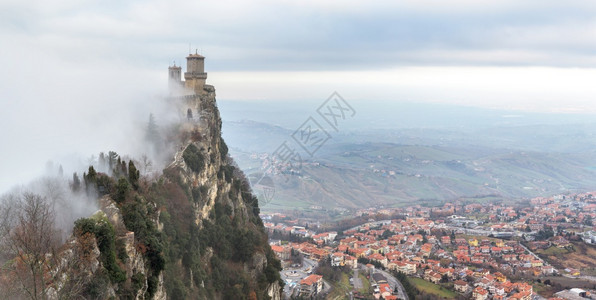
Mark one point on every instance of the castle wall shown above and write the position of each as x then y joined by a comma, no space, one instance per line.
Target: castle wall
174,79
195,65
195,73
195,84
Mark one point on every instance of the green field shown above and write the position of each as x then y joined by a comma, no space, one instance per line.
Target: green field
431,288
553,250
365,284
543,289
340,288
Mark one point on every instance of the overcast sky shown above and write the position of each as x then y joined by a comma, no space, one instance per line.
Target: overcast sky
73,71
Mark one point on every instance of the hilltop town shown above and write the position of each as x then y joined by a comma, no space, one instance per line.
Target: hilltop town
535,249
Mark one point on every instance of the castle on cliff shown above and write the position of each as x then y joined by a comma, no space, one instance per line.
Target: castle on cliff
194,77
194,98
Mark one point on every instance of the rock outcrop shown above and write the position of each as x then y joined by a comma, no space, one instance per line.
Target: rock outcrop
206,172
193,233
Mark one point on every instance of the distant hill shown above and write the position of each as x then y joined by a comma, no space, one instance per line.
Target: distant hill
362,168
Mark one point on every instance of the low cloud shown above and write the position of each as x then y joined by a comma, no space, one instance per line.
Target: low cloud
80,77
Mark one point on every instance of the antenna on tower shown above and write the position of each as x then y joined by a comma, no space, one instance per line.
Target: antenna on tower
189,48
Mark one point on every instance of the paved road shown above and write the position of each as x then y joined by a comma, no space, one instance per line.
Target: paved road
537,297
326,287
533,254
357,282
393,282
589,278
292,276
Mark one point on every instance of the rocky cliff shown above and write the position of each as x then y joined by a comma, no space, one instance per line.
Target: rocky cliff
226,254
192,233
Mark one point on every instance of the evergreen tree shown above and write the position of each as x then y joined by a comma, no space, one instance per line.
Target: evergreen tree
444,278
112,158
123,168
90,180
121,190
133,175
152,128
91,176
152,134
117,170
102,162
545,233
76,182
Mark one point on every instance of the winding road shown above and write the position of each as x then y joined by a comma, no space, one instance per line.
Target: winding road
393,282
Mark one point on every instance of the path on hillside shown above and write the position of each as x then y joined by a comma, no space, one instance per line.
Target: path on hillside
356,281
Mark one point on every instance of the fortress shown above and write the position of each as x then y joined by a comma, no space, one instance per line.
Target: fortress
194,97
194,76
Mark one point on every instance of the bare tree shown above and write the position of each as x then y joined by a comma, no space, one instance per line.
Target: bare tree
55,191
146,164
29,236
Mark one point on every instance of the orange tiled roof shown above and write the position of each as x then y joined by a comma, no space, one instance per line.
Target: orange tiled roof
277,248
311,279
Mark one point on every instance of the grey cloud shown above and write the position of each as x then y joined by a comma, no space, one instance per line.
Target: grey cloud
75,72
312,36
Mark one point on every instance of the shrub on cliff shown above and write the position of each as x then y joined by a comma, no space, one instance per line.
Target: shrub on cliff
193,158
105,237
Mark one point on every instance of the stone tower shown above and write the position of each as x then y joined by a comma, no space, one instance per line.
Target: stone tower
195,75
174,77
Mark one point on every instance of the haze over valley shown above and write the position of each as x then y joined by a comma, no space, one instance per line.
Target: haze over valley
392,153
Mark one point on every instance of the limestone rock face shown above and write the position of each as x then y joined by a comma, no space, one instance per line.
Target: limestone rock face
209,180
216,184
79,262
274,291
160,294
